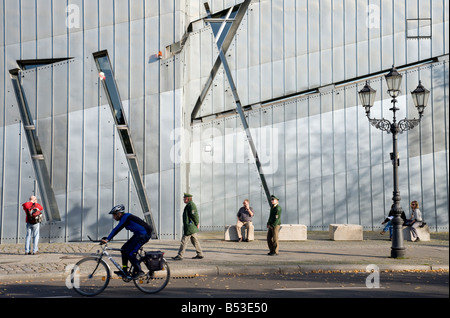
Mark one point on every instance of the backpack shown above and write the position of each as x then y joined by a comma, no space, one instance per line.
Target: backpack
35,216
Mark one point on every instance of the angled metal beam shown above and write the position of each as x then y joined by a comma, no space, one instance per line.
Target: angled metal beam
243,7
51,210
223,60
33,63
112,92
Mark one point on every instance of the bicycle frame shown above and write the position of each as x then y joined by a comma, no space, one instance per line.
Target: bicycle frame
105,253
93,267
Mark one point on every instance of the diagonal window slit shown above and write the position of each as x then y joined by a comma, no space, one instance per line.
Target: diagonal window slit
110,86
51,210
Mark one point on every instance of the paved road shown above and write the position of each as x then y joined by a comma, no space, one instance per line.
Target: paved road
247,287
226,272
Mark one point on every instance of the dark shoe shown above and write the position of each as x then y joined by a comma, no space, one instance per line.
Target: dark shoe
29,253
36,253
120,274
198,257
177,258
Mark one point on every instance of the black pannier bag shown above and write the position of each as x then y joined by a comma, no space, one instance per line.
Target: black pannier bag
154,260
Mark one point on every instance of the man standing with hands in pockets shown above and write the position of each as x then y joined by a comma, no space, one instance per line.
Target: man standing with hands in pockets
273,226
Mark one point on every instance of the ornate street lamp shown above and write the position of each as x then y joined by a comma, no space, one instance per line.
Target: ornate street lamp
393,81
367,96
420,97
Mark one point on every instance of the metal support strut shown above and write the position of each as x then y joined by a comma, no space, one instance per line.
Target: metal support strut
243,8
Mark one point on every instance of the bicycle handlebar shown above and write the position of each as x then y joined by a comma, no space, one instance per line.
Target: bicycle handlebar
106,244
95,241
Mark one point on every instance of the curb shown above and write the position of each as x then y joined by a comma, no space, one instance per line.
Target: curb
217,271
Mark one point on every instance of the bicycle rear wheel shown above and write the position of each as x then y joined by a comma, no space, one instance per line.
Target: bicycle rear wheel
90,276
154,281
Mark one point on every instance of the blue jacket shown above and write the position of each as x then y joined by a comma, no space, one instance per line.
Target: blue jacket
131,223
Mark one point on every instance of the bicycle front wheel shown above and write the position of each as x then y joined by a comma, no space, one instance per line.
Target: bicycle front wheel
90,276
154,281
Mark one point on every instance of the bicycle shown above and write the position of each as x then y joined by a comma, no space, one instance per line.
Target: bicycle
91,275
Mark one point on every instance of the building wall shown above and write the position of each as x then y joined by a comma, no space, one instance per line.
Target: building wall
323,159
289,47
298,66
82,150
330,165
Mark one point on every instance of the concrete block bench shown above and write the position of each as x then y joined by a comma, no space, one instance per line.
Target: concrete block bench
231,233
422,232
292,232
345,232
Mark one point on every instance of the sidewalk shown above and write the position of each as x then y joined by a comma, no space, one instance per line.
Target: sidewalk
318,253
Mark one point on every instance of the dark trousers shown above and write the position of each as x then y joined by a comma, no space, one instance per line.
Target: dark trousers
130,248
272,238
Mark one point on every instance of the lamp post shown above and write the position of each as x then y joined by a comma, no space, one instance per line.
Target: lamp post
420,97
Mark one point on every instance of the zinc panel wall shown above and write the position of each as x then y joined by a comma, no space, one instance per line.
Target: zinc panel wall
281,48
331,166
286,47
82,150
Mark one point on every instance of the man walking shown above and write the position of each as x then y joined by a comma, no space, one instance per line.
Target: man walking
273,226
190,228
34,214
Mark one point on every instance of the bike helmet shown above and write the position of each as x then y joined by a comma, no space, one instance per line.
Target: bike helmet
117,209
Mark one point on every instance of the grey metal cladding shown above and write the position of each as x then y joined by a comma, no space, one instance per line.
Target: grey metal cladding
281,53
335,174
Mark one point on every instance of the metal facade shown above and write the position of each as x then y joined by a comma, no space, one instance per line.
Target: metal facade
297,66
82,150
324,160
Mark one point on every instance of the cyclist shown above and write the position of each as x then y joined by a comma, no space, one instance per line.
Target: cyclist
142,233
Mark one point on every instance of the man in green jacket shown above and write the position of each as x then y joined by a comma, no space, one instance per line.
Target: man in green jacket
273,226
190,228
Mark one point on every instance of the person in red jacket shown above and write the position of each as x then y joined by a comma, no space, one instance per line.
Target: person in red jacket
32,209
